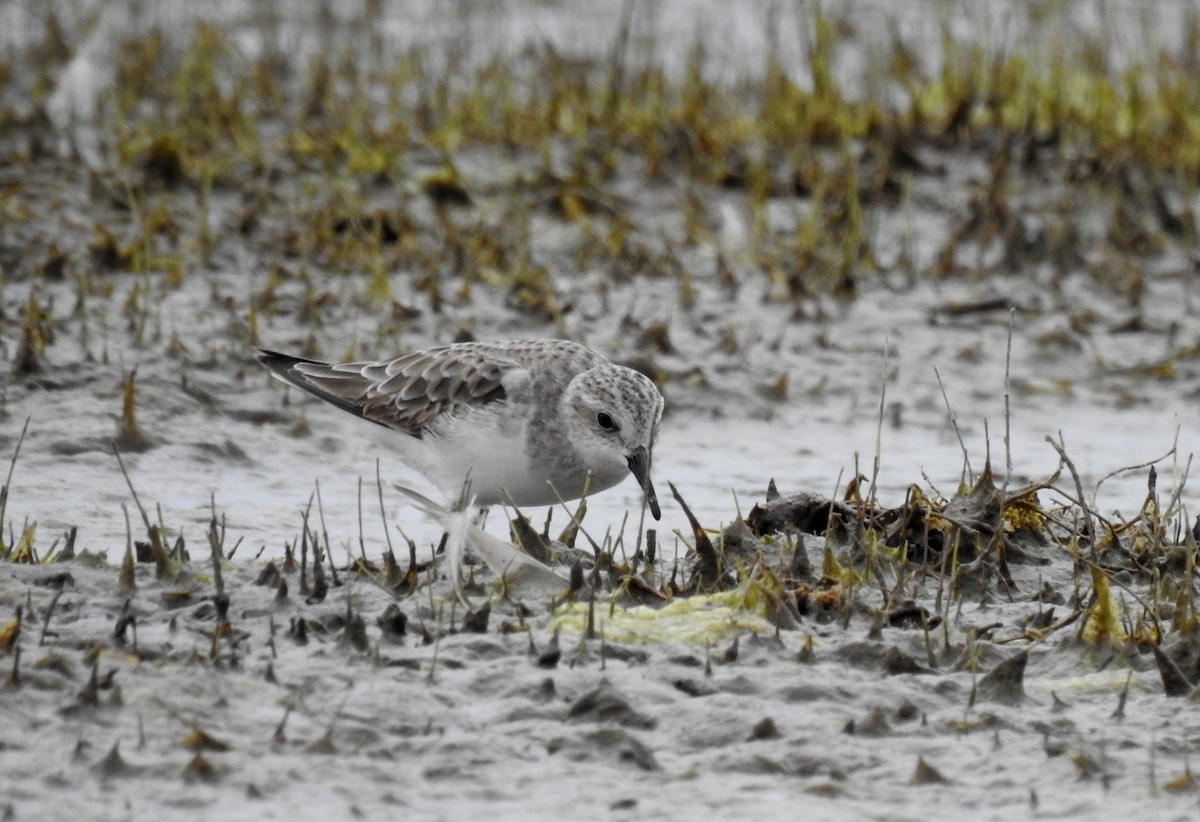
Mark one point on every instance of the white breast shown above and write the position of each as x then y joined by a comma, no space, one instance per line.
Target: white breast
488,445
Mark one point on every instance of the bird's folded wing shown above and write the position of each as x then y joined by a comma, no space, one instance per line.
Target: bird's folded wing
407,393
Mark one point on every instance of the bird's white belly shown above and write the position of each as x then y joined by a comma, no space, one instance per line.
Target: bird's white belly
490,449
498,467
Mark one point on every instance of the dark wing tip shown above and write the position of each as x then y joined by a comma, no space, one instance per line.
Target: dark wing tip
280,364
283,367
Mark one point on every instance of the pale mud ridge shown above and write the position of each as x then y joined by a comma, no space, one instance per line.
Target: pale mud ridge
873,686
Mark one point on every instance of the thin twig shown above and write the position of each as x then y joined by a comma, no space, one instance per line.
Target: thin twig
129,482
12,466
1178,492
1087,511
954,424
999,538
1008,461
325,535
879,424
362,546
574,520
49,613
128,528
382,513
1126,469
1036,636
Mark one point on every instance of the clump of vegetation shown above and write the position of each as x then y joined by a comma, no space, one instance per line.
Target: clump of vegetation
366,170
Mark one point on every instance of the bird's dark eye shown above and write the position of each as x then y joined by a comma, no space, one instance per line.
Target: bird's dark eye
606,422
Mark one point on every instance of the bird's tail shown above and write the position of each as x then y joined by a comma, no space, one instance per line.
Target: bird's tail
518,569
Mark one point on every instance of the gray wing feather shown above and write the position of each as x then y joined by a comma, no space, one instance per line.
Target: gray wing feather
408,393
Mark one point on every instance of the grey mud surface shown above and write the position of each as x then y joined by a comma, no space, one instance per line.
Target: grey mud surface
360,721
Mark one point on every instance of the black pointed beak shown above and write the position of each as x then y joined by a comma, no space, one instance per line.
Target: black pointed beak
639,465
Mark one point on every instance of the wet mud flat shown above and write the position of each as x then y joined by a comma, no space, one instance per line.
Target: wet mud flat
906,663
789,250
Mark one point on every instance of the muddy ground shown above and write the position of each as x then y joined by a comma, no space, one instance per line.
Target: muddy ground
936,650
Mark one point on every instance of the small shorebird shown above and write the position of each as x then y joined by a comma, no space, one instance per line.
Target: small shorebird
523,421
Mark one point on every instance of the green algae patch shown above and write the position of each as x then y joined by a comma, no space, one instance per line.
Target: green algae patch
696,620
